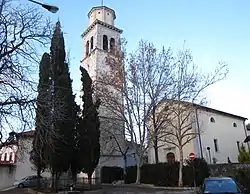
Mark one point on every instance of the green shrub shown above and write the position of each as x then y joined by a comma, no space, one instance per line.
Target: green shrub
201,170
162,174
111,174
242,175
131,174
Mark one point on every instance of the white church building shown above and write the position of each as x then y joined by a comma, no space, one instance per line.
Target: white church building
219,136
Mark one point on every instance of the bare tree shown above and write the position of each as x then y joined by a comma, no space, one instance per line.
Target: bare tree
131,86
181,111
160,78
23,29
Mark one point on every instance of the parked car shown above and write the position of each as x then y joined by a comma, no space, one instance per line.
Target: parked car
219,185
29,181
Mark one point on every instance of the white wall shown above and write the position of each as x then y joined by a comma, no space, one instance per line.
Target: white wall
223,130
7,176
103,14
23,166
226,134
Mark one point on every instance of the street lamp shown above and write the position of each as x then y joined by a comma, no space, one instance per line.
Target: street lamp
50,8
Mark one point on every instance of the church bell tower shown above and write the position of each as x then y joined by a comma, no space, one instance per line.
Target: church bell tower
99,38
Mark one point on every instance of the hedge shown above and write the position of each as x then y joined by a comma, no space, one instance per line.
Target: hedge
242,175
110,174
162,174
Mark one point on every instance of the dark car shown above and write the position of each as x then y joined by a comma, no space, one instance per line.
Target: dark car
221,185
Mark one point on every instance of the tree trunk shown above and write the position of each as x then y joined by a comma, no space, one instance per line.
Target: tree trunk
138,172
180,182
156,151
57,180
38,186
74,178
125,167
53,182
155,140
90,180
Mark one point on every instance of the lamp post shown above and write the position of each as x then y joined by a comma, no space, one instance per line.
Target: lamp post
50,8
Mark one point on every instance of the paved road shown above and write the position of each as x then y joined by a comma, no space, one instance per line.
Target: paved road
110,190
14,191
127,190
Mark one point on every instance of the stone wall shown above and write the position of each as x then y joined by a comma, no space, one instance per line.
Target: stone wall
226,169
7,176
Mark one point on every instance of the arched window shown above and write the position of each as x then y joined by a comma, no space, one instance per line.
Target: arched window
212,120
87,48
238,145
92,43
10,159
105,42
112,44
5,157
216,145
234,125
170,157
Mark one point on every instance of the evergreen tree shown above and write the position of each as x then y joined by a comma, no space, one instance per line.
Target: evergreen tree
75,165
42,115
88,128
244,155
63,111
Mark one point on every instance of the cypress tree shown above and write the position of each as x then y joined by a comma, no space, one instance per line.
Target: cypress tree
63,111
42,116
88,128
75,165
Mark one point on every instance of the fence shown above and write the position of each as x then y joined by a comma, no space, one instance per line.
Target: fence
65,184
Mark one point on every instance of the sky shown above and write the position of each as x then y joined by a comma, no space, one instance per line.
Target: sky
213,30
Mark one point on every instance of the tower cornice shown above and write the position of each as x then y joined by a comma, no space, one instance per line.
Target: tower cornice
102,7
103,24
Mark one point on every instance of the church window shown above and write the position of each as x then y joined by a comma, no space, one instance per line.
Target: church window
10,156
238,145
112,44
105,42
87,48
92,43
234,125
5,157
212,120
216,145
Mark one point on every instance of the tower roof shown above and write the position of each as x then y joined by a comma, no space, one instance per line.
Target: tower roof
102,7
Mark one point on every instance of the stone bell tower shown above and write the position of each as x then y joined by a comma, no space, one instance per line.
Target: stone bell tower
100,37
